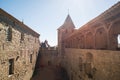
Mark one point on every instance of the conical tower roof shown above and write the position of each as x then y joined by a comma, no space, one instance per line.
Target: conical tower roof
68,23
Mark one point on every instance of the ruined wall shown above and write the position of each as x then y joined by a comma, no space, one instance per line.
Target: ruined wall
86,64
19,48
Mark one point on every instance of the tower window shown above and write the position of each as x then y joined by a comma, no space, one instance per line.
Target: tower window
30,58
11,66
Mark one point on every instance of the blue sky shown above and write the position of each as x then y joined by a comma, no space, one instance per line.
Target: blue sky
46,16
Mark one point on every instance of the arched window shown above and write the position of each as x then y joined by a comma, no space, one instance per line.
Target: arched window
114,36
89,41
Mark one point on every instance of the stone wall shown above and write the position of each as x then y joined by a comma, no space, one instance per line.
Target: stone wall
19,47
48,57
92,51
86,64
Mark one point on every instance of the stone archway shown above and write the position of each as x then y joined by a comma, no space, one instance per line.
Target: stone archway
81,42
101,38
114,31
89,41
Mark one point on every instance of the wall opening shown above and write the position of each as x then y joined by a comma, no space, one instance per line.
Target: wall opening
118,40
22,37
11,66
80,64
9,34
30,58
101,39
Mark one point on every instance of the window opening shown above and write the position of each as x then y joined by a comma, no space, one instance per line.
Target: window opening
22,36
9,34
118,40
11,66
30,58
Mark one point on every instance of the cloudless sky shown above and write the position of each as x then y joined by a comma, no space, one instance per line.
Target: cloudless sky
46,16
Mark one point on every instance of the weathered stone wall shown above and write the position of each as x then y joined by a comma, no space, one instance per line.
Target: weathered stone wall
91,52
48,56
86,64
22,49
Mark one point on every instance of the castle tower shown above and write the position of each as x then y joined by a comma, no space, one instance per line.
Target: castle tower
63,31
